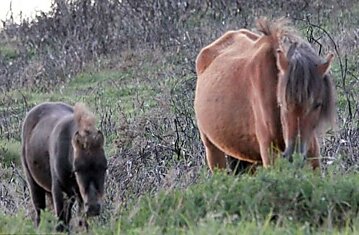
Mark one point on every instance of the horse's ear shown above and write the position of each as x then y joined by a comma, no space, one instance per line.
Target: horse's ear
78,141
282,62
100,139
324,68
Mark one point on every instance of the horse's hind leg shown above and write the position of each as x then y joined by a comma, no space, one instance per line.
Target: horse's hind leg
237,166
50,203
215,157
37,196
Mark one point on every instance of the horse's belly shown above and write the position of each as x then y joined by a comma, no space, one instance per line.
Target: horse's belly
37,159
230,127
234,140
224,109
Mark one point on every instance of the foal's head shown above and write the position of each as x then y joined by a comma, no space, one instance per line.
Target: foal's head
89,163
305,95
90,166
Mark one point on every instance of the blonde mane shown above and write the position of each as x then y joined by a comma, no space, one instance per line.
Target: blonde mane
85,119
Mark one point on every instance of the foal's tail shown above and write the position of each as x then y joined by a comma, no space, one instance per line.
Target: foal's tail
84,119
279,30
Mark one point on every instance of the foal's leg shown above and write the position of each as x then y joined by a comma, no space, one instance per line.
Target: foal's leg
215,157
37,196
58,200
80,203
69,205
50,203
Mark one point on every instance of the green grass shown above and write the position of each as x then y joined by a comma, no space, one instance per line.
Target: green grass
10,152
284,195
117,91
286,199
8,51
19,224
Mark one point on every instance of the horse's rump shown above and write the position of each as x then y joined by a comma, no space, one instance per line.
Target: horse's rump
36,132
228,42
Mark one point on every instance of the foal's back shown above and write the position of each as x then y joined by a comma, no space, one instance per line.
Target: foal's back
37,127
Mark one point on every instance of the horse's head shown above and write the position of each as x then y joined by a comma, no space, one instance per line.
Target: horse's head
305,95
90,166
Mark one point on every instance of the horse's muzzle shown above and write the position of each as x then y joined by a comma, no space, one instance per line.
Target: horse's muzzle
301,149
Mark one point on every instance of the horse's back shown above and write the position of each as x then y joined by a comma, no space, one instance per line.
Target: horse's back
37,128
231,42
43,116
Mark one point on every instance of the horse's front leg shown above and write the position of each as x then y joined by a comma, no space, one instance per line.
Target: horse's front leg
82,221
264,140
69,205
314,154
264,150
80,203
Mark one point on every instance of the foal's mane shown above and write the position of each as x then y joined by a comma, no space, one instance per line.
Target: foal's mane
84,119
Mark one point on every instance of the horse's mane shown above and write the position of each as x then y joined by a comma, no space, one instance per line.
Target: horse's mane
302,83
84,119
280,31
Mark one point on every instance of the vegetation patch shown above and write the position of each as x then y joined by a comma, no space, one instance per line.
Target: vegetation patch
10,152
284,194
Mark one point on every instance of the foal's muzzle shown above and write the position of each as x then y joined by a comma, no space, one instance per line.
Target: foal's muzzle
92,209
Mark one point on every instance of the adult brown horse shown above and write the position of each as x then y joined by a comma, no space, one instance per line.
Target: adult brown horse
261,94
62,152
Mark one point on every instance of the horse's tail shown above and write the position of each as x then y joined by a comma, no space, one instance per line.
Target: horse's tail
278,30
84,119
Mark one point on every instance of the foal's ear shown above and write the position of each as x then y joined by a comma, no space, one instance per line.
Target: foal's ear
324,68
282,62
78,141
99,139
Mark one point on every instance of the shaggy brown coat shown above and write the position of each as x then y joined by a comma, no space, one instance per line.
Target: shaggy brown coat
261,94
62,152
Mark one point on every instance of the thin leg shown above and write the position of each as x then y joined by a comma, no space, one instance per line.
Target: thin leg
69,205
314,154
238,166
264,140
37,195
215,157
58,200
50,203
